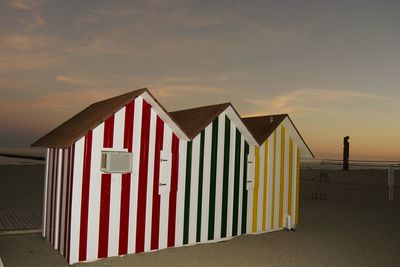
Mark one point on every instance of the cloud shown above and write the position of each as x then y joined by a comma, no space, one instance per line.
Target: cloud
185,90
317,101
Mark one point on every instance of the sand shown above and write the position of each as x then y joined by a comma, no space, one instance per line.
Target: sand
354,226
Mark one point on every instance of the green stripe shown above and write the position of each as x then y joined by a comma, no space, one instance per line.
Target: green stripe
236,184
213,179
200,195
244,206
225,177
187,193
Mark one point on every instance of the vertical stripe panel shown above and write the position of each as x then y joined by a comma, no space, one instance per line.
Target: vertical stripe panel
282,176
134,189
76,199
205,204
143,170
70,207
164,197
271,179
48,197
241,178
286,180
105,192
174,191
260,189
265,189
187,192
231,180
94,193
194,190
200,186
290,197
115,189
273,163
58,197
250,194
180,201
238,138
219,180
153,198
126,182
225,184
213,178
244,202
256,187
45,193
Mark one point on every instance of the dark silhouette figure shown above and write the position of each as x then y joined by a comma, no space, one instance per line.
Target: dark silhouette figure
346,151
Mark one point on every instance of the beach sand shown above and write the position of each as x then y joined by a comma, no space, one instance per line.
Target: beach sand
354,226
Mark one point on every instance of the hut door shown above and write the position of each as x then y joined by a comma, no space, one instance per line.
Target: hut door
250,172
165,172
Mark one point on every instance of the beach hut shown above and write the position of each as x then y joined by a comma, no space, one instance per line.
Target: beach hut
126,176
273,198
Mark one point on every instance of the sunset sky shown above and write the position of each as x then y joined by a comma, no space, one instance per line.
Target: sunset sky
334,66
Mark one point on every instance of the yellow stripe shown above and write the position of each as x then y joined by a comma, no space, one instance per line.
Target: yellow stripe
290,191
282,178
273,183
264,222
297,185
256,183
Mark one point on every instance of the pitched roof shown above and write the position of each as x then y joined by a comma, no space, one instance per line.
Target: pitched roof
77,126
263,126
194,120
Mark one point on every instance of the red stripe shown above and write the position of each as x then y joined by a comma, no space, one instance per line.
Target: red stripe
126,182
144,159
61,201
105,193
155,226
71,180
174,189
85,196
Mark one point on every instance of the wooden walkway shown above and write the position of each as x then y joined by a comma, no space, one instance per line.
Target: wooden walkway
21,219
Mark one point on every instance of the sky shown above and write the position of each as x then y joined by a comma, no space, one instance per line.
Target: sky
334,66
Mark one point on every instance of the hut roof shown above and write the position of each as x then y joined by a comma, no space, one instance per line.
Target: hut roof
194,120
77,126
262,127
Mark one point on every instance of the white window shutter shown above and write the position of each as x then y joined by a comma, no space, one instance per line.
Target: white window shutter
165,172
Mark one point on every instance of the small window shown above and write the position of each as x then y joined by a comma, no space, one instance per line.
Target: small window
116,162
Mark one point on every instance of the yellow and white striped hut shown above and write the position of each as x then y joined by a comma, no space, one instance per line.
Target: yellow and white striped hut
273,173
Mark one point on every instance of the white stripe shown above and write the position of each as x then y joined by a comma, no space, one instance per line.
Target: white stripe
270,179
76,200
249,223
286,178
64,200
260,189
240,212
231,180
94,193
278,177
45,193
133,198
46,178
58,198
115,187
294,183
180,198
206,183
150,181
164,197
194,187
220,176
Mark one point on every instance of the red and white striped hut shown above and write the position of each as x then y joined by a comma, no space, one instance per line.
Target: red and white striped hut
125,176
